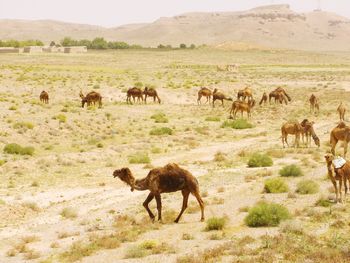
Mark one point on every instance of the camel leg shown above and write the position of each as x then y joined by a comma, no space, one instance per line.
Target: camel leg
334,144
154,99
340,191
146,99
185,194
159,206
199,99
222,103
345,188
345,148
201,204
145,205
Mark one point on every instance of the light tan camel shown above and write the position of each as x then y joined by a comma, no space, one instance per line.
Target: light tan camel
170,178
150,92
314,105
341,110
91,97
305,128
44,97
340,133
263,99
242,106
134,93
308,132
204,92
342,175
217,95
245,93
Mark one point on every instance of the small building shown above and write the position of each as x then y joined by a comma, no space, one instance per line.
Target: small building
52,49
78,49
9,50
33,49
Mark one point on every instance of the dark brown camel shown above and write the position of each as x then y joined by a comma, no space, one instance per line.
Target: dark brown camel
134,93
314,105
217,95
91,97
341,110
279,95
44,97
150,92
242,106
340,133
245,93
204,92
170,178
263,99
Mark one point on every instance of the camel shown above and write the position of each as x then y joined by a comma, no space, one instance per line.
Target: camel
134,93
341,110
263,99
342,175
242,106
44,97
308,132
245,93
150,92
204,92
340,133
314,105
91,97
279,95
297,129
217,95
170,178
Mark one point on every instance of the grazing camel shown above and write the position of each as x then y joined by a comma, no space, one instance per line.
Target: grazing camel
204,92
308,132
279,95
263,99
245,93
91,97
170,178
217,95
44,97
340,133
305,128
242,106
341,110
314,105
342,175
150,92
134,93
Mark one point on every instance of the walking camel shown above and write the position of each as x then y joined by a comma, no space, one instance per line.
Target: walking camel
341,110
340,133
204,92
217,95
245,93
314,105
263,99
44,97
91,97
150,92
170,178
134,93
242,106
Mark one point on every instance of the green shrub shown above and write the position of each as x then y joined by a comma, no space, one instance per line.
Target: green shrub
13,107
260,160
69,212
160,118
61,118
135,252
323,202
24,125
275,185
307,187
161,131
14,148
2,162
291,171
215,223
266,214
212,118
139,158
237,124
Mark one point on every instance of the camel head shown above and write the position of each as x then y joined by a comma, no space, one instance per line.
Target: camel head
81,95
126,176
329,158
316,140
215,90
146,89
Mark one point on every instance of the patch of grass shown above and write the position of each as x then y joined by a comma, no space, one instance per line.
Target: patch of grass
23,125
307,187
212,118
260,160
13,107
237,124
187,236
135,252
147,247
31,205
291,171
2,162
215,223
161,131
14,148
275,185
266,214
61,118
323,202
160,118
139,157
69,213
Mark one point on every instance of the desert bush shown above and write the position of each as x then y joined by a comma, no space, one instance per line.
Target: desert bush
212,118
292,226
135,252
291,171
215,223
139,157
237,124
260,160
31,205
266,214
275,185
69,212
307,187
23,125
323,202
14,148
2,162
161,131
61,118
13,107
160,118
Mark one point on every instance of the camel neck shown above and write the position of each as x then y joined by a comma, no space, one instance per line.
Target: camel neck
141,184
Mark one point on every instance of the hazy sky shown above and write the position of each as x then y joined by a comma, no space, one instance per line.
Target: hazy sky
117,12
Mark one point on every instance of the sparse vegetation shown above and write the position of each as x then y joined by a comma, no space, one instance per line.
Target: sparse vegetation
215,223
307,187
69,213
14,148
291,171
161,131
275,185
237,124
140,157
260,160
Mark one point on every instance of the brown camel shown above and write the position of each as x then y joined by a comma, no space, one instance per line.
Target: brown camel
340,133
150,92
44,97
170,178
204,92
308,132
217,95
314,105
305,128
263,99
134,93
245,93
279,95
342,175
341,110
242,106
91,97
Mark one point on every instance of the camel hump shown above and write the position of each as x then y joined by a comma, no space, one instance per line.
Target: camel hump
341,125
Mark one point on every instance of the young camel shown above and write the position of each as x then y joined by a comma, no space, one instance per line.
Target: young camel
217,95
242,106
314,105
245,93
150,92
170,178
44,97
204,92
134,93
341,110
263,99
340,133
91,97
342,175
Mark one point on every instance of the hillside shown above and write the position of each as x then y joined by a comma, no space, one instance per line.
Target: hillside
275,26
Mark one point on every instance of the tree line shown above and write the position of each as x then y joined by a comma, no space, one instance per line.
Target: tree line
16,43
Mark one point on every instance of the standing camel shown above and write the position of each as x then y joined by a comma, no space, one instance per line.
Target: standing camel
341,110
314,105
245,93
134,93
44,97
279,95
340,133
308,132
150,92
242,106
170,178
293,128
204,92
91,97
263,99
217,95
